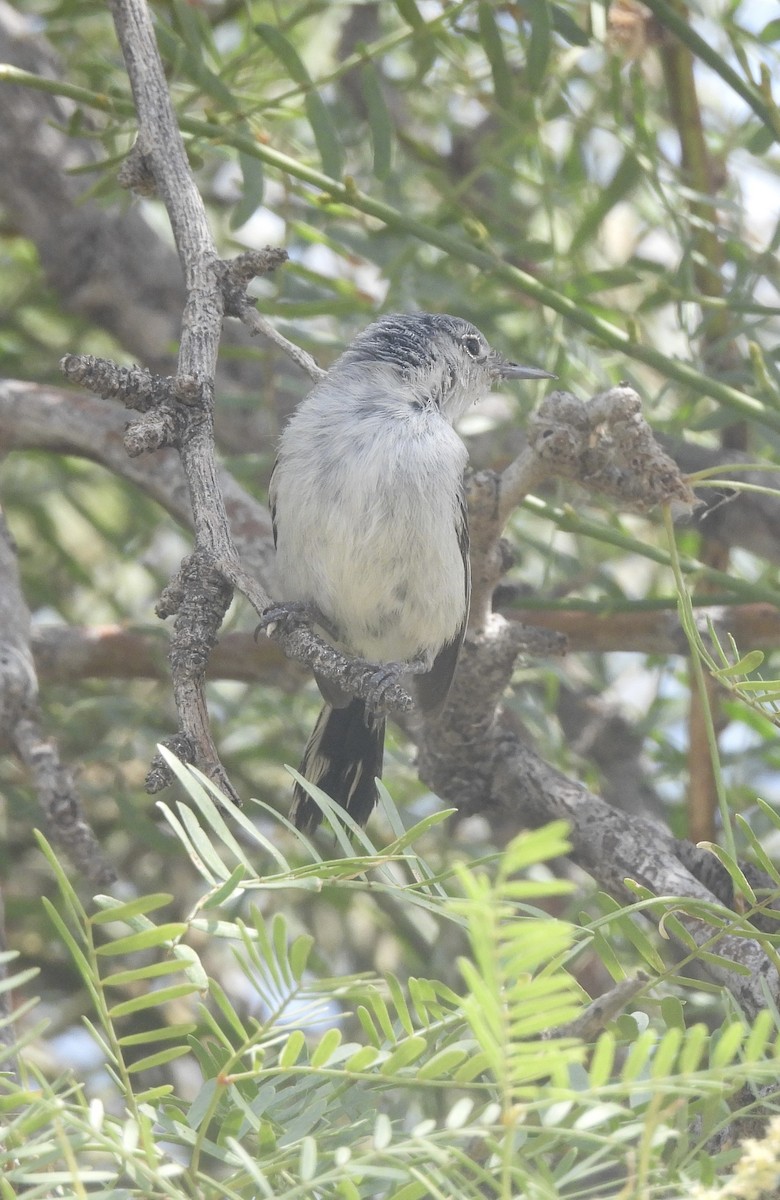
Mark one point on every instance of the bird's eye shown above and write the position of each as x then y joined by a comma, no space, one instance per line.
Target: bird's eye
472,345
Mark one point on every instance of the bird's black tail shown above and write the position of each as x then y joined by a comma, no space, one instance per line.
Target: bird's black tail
343,757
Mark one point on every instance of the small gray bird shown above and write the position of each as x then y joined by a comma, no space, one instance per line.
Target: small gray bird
371,529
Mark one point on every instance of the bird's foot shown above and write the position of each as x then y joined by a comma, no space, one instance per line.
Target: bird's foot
290,615
389,675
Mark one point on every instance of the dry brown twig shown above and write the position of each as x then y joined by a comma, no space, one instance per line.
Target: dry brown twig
21,727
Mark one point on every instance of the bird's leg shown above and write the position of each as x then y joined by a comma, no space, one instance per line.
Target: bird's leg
291,614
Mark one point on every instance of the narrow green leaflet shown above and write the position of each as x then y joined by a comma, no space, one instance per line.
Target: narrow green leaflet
736,874
158,935
154,970
490,36
405,1053
625,178
325,135
284,50
114,910
165,1034
379,121
159,1059
253,177
540,43
152,999
325,1048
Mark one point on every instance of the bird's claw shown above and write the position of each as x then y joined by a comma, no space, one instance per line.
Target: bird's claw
388,676
290,615
382,680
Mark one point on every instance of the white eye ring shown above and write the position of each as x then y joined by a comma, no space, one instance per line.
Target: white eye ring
472,345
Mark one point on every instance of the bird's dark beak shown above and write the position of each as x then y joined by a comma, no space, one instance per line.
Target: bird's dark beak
501,369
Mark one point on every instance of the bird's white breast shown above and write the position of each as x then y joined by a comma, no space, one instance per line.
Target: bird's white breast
367,509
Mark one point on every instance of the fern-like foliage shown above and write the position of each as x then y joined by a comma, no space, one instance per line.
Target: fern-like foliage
363,1086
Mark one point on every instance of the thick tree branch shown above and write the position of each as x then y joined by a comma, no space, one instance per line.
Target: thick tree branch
67,654
473,758
202,593
603,444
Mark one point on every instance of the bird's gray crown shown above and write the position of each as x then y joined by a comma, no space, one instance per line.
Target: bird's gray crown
412,342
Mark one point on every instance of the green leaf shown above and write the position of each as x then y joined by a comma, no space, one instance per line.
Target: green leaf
672,1012
736,874
299,955
228,1012
188,61
227,890
761,140
369,1028
626,177
152,999
443,1064
399,1000
341,823
771,31
202,842
159,1059
238,817
531,847
412,1191
411,14
12,982
492,44
70,899
325,1048
158,935
747,664
253,175
759,853
153,1094
76,953
762,1029
181,833
382,1015
280,944
170,966
285,51
694,1048
113,910
540,43
567,27
476,1064
193,26
727,1044
638,1056
409,836
405,1053
379,121
307,1167
625,923
362,1059
325,136
603,1060
292,1048
212,803
166,1034
666,1053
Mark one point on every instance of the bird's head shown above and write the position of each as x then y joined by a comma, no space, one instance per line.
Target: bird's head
438,359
